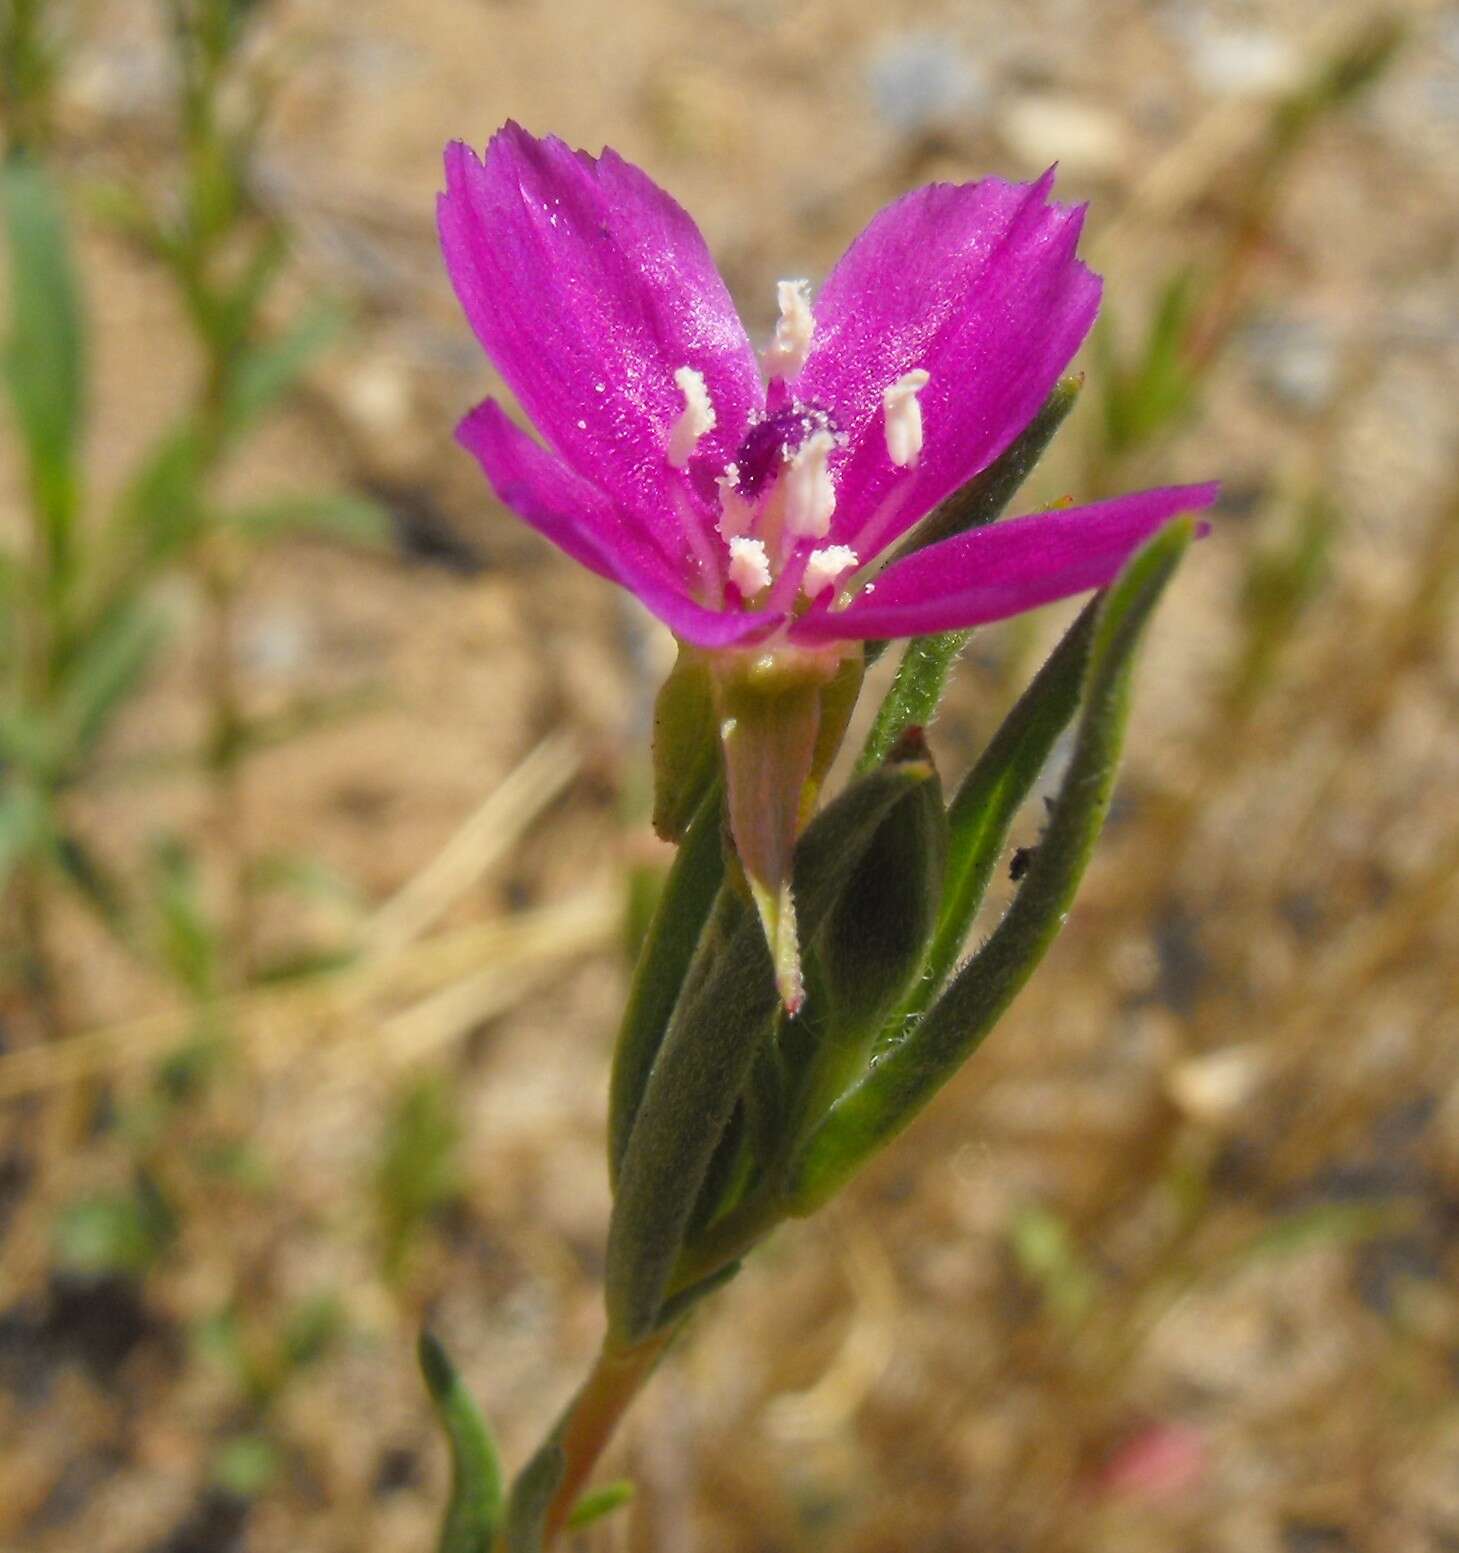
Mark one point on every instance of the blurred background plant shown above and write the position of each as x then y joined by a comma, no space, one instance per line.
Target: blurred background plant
303,1039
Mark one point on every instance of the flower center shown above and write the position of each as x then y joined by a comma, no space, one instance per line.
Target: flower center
778,494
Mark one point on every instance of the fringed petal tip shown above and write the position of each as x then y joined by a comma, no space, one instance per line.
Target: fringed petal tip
591,290
979,285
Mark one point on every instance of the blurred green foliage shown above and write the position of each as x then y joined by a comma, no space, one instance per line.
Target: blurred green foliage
419,1169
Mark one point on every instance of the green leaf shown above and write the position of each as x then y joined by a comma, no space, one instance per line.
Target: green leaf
160,510
268,372
1047,1255
474,1509
725,1013
992,793
187,938
329,514
116,1232
1324,1224
685,743
246,1465
663,965
906,1077
419,1169
677,1306
915,693
43,357
312,1327
872,945
109,667
1148,396
531,1499
600,1502
95,883
25,827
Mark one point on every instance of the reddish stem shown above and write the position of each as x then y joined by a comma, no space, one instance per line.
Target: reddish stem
593,1415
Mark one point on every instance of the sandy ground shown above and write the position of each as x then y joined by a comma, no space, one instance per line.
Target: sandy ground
1278,899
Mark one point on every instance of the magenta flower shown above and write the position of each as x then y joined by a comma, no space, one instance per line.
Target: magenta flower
750,503
747,501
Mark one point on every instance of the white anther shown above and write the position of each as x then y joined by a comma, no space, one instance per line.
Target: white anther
810,498
904,418
696,418
736,515
824,567
786,354
749,567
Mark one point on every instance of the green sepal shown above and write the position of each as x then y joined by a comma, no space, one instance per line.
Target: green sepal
531,1499
685,743
772,733
906,1077
727,1010
474,1509
592,1507
873,943
663,964
984,807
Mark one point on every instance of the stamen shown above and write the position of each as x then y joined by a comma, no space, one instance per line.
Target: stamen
749,567
825,566
696,418
736,515
904,418
787,352
810,498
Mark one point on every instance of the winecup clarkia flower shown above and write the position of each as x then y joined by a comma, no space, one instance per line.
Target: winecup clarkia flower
747,499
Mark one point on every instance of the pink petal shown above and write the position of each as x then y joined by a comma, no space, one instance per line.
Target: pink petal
977,284
579,519
992,573
589,287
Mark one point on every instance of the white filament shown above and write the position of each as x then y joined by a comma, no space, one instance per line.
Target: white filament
696,418
736,515
749,567
810,498
824,566
787,352
904,418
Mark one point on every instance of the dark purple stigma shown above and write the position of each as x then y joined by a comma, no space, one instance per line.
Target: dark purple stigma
773,441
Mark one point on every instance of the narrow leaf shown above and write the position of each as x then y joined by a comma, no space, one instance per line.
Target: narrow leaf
270,371
43,354
874,940
602,1501
474,1509
330,514
992,793
907,1077
109,668
25,826
663,964
532,1496
706,1056
685,743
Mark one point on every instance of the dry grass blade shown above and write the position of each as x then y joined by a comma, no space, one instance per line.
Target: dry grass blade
277,1023
489,835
